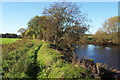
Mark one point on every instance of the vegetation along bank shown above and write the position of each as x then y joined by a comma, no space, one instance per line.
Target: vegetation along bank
47,48
40,59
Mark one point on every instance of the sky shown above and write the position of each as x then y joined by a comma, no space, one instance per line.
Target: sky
60,0
16,14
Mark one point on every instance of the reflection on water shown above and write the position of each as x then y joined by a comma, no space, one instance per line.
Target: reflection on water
105,55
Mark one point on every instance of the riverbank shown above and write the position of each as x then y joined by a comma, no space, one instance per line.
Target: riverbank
40,59
104,44
100,54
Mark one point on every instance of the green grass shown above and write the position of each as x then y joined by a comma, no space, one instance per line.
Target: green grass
90,37
37,59
54,67
8,40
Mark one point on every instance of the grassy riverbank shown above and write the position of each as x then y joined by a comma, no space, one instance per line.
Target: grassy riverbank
55,67
37,60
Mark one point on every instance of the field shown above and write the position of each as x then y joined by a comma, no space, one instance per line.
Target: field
8,40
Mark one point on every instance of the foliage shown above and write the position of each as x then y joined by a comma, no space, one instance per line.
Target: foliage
54,67
9,35
68,19
62,23
109,32
37,60
37,28
30,67
13,59
40,59
22,31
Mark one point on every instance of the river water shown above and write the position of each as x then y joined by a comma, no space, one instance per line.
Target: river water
106,55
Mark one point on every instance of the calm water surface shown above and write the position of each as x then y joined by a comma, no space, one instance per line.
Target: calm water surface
107,55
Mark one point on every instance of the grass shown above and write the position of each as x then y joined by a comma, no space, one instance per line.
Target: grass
37,59
15,59
8,40
55,67
90,37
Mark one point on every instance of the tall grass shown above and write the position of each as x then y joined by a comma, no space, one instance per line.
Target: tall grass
29,59
54,67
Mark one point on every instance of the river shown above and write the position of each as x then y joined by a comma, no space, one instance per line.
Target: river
106,55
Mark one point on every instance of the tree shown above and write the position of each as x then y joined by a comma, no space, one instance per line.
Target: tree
110,30
41,27
101,36
62,23
34,27
9,35
22,31
29,34
68,19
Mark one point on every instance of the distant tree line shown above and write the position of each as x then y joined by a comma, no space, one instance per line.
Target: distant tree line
9,35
